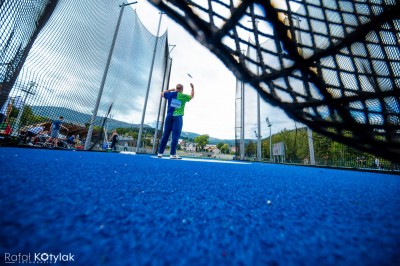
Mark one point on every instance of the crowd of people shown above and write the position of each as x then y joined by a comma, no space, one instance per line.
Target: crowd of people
38,135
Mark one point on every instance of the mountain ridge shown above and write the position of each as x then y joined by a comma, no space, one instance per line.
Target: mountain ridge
82,118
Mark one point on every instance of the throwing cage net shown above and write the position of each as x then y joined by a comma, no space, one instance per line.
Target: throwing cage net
53,62
331,65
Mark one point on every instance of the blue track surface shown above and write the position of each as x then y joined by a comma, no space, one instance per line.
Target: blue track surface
115,209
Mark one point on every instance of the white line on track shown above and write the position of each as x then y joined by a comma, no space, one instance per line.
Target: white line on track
200,160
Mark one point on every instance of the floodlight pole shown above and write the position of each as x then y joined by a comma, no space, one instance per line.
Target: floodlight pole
103,81
148,86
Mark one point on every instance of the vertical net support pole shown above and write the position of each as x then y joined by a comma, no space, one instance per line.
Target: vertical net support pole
103,81
167,75
311,146
242,121
259,156
148,87
309,130
164,105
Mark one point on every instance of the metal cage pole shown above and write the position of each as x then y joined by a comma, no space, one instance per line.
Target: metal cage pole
103,81
148,87
167,75
270,138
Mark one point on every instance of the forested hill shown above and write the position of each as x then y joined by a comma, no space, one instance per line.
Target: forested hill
81,118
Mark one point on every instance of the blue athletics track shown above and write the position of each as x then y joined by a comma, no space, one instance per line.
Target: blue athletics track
103,208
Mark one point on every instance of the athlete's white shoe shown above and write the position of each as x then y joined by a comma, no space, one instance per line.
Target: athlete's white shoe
175,157
159,155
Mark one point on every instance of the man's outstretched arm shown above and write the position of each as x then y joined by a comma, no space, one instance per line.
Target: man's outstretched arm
192,92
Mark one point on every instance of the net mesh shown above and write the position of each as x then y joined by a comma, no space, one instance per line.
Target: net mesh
16,40
53,62
331,65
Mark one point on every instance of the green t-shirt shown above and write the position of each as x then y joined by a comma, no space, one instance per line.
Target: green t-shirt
176,103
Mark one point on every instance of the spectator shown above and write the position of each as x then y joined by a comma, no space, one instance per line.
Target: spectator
33,132
114,140
71,141
377,163
77,141
55,131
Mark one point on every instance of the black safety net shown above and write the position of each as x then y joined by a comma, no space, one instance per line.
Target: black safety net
54,57
331,65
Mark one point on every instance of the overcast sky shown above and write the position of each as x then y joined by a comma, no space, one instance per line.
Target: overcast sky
212,111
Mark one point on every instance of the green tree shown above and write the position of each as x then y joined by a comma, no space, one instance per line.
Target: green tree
219,145
201,141
302,150
265,150
322,150
250,149
97,130
28,117
225,148
146,142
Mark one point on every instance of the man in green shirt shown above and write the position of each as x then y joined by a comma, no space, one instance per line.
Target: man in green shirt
174,119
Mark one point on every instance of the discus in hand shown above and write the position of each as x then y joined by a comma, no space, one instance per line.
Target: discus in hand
191,79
